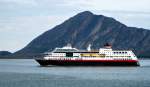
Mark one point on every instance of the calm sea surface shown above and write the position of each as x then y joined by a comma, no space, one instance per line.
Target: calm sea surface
28,73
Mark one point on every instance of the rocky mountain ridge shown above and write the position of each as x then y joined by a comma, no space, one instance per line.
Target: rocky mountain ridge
87,28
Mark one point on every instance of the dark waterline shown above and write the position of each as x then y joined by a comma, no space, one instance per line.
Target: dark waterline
28,73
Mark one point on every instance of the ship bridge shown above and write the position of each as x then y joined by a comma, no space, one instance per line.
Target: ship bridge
105,50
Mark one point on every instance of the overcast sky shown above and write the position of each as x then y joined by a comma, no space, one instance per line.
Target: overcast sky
23,20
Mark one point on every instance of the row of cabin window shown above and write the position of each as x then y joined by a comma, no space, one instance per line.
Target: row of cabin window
124,59
62,58
120,52
116,52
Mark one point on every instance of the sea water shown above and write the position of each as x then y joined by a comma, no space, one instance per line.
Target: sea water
28,73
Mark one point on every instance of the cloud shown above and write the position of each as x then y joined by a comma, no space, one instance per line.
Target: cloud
19,2
124,5
46,7
16,32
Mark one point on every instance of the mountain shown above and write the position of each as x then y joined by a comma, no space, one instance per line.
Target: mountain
87,28
4,53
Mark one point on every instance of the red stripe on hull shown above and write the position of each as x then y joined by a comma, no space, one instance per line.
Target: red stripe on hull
97,60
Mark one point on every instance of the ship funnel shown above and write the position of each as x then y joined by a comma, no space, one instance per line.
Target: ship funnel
108,45
89,47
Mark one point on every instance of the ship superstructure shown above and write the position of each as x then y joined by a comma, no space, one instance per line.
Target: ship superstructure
104,56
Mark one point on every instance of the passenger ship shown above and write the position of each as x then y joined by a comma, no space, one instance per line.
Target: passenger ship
68,56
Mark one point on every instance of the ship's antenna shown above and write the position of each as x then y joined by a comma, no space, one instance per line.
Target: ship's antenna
89,47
